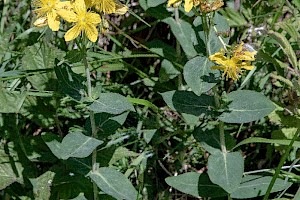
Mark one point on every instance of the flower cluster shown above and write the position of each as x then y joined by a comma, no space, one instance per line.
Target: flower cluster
204,5
233,63
77,12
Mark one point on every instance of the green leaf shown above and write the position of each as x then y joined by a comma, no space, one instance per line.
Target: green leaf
154,3
70,83
121,152
167,71
111,103
188,102
11,102
235,19
267,141
148,134
199,76
42,185
80,197
210,139
106,124
286,47
10,167
162,49
185,35
114,183
74,56
226,170
246,106
195,184
254,186
40,58
73,145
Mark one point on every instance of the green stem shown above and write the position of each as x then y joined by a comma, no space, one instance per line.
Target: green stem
221,124
282,160
92,119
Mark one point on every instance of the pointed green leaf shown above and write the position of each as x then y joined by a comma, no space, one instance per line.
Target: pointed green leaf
10,166
199,76
209,139
185,35
42,185
11,102
41,57
70,83
195,184
73,145
254,186
188,102
114,183
111,103
226,170
246,106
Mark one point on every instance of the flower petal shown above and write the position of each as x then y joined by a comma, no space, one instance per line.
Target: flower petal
93,18
188,5
91,32
73,33
53,20
40,22
68,15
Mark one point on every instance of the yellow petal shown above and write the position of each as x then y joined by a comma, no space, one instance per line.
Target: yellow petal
121,9
68,15
188,5
40,22
63,5
91,32
53,20
172,2
106,6
93,18
79,6
73,33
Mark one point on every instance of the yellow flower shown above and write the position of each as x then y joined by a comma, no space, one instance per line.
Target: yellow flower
85,21
110,6
46,11
174,3
233,65
189,4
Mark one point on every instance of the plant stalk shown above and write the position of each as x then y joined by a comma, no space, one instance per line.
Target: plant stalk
92,120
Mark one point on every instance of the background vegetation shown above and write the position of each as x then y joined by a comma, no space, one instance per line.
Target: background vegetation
158,107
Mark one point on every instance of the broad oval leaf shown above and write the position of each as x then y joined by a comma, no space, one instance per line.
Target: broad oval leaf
42,185
254,186
209,139
185,35
11,102
246,106
199,76
189,103
226,170
70,83
75,145
111,103
195,184
114,183
10,167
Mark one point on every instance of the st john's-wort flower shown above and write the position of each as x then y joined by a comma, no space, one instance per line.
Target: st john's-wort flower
205,5
233,63
85,21
46,11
